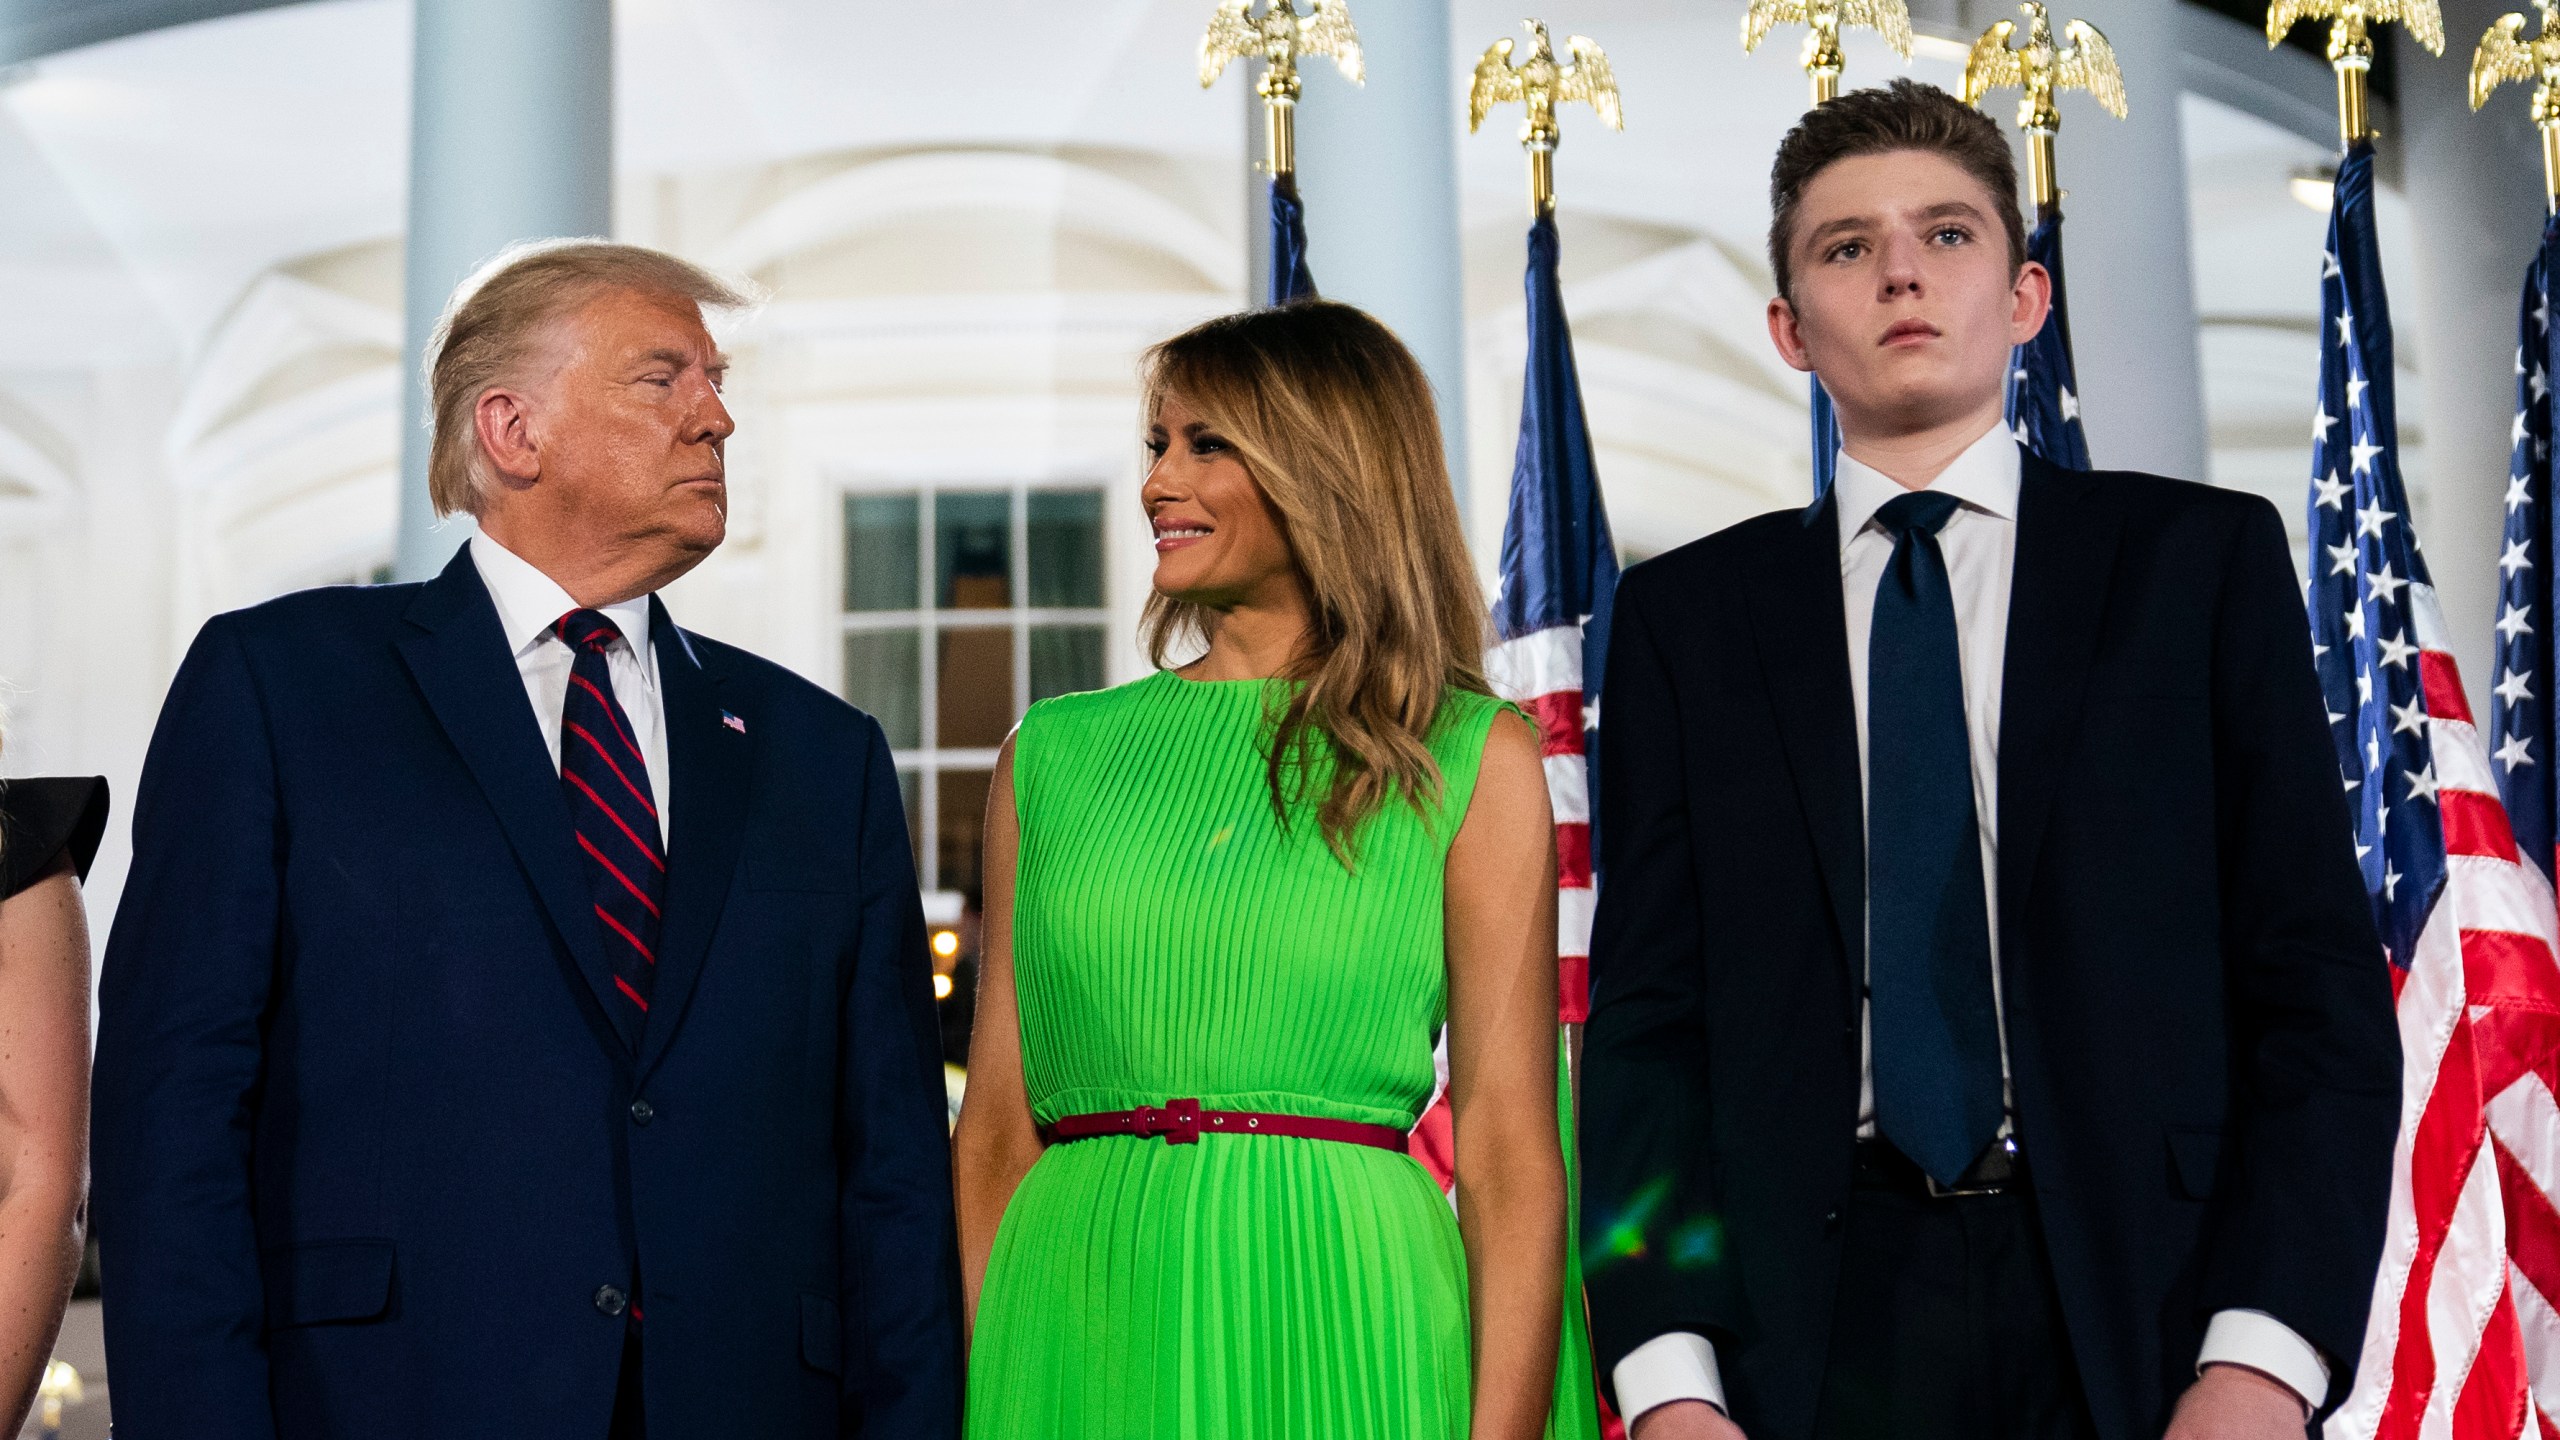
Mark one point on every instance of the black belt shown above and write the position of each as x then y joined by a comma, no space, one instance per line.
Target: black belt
2000,1170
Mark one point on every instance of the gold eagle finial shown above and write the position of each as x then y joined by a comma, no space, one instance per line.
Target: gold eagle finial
1822,60
1280,35
2504,54
1541,84
2351,43
2043,69
2040,69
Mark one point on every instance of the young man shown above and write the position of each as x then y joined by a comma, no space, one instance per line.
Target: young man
1990,1037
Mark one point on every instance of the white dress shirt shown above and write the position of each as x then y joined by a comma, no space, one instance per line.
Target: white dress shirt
1980,543
529,604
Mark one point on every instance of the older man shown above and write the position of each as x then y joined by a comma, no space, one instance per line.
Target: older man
518,1022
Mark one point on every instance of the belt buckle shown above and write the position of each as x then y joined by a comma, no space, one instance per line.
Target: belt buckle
2008,1152
1178,1121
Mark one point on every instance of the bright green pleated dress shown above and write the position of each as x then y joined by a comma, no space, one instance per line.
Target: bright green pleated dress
1173,940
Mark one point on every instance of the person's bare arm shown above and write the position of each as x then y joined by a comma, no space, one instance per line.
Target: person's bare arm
1501,938
44,1124
995,1143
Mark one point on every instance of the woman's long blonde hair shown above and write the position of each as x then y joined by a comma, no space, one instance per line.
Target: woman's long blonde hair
1333,418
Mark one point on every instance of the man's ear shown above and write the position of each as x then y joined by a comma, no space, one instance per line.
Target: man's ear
503,419
2030,297
1784,334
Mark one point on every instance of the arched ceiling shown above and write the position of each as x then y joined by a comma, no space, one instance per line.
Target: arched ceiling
33,28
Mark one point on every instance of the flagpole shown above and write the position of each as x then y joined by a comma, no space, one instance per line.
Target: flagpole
1823,61
1539,83
2044,407
2351,46
1278,36
2504,54
1551,619
2040,69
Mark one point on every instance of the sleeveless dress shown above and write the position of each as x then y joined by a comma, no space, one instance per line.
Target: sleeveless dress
1173,940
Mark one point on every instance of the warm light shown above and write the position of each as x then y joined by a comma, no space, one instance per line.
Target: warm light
946,943
2313,188
942,985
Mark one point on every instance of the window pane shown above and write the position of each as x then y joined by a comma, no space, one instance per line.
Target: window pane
911,795
880,552
973,552
883,673
963,794
1065,659
975,705
1066,548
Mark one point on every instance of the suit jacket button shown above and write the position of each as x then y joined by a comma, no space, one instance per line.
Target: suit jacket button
1831,1222
642,1112
610,1299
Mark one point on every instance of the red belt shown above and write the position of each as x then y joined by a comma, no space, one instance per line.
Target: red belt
1183,1122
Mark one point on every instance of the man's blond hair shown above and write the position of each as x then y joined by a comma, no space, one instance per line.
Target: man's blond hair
496,321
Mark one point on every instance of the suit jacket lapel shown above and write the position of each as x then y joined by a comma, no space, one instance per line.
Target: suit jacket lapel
465,668
711,760
2068,526
1800,630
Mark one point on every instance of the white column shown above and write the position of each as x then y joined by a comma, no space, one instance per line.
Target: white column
1378,169
2474,185
511,139
2126,243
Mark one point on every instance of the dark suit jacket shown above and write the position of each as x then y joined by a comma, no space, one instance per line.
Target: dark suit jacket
2199,1019
366,1144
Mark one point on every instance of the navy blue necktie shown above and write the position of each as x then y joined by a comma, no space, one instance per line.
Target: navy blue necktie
1936,1033
607,783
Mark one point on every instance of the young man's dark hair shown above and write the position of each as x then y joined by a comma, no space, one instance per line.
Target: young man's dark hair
1905,115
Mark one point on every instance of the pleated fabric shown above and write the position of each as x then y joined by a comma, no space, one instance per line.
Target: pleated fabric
1174,938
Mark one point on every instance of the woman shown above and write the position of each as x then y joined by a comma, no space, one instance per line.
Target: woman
49,832
1228,906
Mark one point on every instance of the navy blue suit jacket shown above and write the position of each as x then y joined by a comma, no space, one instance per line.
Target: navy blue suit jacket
367,1147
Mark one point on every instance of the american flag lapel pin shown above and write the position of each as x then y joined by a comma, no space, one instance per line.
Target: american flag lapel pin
733,722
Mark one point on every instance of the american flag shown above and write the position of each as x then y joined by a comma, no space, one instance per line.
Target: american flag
1290,279
1551,619
1551,626
1826,442
2521,1035
2521,719
2044,393
2467,926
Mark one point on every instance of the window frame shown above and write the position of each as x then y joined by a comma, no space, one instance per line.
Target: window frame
929,759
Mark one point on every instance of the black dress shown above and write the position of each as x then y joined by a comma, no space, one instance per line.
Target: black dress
42,820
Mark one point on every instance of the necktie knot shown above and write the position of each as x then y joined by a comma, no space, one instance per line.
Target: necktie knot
1925,511
586,630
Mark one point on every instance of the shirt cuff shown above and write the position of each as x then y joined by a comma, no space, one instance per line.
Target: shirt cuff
2261,1342
1677,1366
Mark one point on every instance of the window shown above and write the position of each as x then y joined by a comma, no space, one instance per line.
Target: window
962,606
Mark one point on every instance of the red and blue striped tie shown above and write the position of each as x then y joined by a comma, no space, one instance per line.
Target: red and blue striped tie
607,782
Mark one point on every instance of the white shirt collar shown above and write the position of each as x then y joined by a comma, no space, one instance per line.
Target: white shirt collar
1984,477
530,603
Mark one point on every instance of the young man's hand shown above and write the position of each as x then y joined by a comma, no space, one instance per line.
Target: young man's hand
1685,1420
2232,1402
